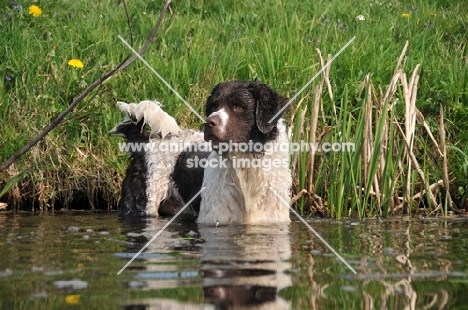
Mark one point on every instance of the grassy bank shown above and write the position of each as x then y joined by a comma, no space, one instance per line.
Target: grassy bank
79,164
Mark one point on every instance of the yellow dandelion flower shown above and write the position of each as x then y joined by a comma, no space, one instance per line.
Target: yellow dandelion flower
405,15
35,11
75,63
72,299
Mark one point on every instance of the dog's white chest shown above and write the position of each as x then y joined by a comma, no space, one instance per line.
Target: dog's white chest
241,195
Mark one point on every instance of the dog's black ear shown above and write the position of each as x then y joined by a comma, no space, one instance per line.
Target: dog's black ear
269,106
210,106
131,132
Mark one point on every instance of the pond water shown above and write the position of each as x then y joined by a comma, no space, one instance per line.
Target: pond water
72,261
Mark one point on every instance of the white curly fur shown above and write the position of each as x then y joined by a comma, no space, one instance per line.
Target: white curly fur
159,185
160,166
152,114
235,195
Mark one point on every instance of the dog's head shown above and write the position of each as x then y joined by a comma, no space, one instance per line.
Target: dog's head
241,112
131,131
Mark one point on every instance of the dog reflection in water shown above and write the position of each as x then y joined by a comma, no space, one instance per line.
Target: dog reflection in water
245,265
241,266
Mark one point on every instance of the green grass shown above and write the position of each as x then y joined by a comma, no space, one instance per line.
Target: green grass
208,42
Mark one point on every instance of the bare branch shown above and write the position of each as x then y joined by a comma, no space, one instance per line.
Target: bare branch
85,93
128,21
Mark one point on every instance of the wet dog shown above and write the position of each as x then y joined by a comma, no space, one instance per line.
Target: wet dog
252,182
244,175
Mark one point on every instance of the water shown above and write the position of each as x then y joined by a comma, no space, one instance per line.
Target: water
72,260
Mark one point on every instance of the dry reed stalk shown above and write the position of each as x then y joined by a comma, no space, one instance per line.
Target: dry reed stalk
409,95
383,145
376,187
418,196
392,87
416,166
411,115
320,202
444,158
433,187
313,136
421,120
399,170
368,144
327,80
400,59
385,138
294,199
396,75
326,75
377,175
408,137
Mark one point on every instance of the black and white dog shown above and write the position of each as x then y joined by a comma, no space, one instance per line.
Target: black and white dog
241,160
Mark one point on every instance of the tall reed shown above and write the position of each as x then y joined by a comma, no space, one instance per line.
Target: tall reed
382,175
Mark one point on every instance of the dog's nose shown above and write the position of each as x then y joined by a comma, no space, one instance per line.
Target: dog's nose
213,121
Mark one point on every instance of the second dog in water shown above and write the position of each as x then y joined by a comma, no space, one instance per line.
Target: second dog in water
246,177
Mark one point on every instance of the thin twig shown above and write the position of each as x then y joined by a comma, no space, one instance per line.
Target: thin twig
128,22
418,196
294,199
85,93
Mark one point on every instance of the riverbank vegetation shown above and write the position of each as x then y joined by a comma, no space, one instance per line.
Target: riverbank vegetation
397,92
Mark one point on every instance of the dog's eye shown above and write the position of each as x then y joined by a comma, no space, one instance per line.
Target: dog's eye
238,108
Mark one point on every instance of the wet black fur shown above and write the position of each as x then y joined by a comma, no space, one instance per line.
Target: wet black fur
133,199
189,180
